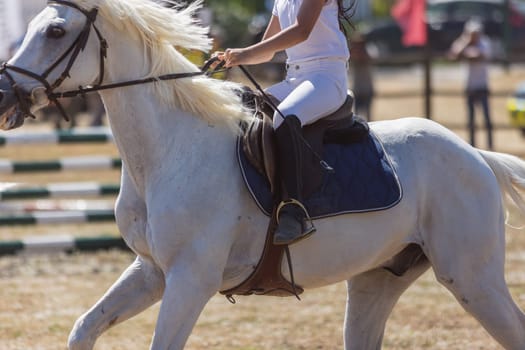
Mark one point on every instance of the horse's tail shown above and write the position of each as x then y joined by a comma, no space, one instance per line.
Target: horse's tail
510,173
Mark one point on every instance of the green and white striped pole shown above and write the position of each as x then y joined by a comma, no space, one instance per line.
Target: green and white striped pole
58,217
60,190
86,135
72,163
64,243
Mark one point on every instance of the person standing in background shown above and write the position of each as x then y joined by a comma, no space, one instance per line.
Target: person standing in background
474,47
363,86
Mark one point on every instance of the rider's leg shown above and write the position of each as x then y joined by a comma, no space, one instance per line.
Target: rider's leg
311,100
293,223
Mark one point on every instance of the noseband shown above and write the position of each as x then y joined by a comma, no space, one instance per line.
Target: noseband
73,51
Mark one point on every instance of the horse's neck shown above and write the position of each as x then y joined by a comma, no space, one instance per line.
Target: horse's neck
148,133
151,136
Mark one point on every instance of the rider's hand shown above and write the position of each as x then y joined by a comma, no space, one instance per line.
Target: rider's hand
235,57
231,57
220,57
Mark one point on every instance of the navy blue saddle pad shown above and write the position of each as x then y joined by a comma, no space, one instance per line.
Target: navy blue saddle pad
364,180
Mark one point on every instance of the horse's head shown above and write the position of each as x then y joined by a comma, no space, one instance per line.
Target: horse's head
62,49
64,52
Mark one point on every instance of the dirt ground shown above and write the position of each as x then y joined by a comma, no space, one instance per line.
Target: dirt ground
42,295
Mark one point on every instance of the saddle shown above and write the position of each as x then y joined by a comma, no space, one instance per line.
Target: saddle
257,143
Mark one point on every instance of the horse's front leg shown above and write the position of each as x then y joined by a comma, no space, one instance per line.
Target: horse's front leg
194,277
139,287
191,231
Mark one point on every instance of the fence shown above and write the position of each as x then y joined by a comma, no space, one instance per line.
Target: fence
14,199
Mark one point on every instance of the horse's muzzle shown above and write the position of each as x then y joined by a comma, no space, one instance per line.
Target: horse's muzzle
5,90
11,113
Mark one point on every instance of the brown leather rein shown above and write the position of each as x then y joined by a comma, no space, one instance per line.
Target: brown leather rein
73,52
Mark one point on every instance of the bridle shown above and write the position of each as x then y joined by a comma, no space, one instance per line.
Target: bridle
73,52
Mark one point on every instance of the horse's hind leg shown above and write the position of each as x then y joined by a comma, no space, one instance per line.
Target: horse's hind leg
371,298
470,263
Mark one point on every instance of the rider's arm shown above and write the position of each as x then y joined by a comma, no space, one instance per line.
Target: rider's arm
458,47
281,40
273,28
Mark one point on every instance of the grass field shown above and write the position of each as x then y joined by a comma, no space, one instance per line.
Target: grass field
41,296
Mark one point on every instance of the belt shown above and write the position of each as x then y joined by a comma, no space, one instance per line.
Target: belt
297,66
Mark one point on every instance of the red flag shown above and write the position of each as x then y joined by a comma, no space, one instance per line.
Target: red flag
410,15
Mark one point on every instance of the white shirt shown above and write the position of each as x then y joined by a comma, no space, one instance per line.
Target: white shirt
478,70
326,39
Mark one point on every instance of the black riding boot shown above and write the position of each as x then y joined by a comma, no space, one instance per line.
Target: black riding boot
293,223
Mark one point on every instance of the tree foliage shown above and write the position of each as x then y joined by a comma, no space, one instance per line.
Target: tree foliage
381,8
232,19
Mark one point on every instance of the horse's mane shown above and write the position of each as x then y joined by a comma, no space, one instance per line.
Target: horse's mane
161,29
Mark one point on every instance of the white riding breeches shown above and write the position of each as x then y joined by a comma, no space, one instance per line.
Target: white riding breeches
311,90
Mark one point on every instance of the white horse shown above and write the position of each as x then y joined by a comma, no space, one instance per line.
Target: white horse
184,209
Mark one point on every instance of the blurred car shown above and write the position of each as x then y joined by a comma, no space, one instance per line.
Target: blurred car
446,20
516,108
383,39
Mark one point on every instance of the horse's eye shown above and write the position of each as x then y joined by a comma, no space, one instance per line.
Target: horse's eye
55,32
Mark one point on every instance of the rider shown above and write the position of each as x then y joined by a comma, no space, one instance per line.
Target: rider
313,35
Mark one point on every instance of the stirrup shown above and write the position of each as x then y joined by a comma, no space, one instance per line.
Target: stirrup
296,202
307,225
